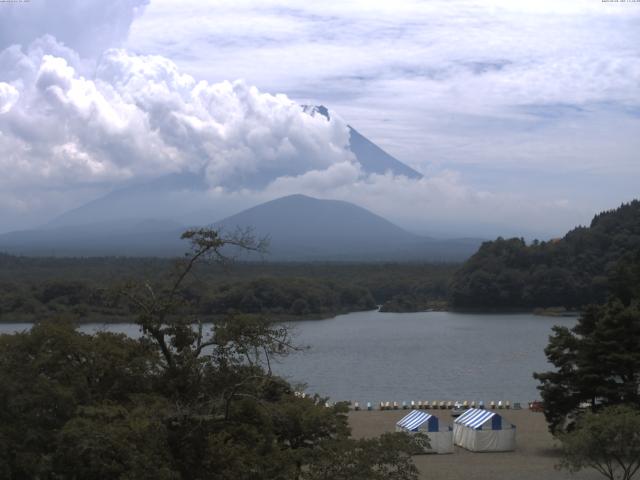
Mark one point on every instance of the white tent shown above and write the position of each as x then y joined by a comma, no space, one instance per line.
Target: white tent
440,439
484,431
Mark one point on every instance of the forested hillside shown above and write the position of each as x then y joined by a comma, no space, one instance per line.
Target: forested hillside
571,272
88,289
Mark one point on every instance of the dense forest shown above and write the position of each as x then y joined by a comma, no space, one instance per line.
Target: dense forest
90,289
177,403
570,272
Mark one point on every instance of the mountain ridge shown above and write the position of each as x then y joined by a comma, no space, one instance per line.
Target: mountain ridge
301,228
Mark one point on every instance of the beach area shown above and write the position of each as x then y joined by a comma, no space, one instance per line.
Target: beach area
535,456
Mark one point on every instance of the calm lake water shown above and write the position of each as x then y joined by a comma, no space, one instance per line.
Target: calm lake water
372,356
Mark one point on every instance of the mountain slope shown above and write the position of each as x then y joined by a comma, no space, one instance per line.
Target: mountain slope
376,160
167,197
570,272
305,228
300,229
372,158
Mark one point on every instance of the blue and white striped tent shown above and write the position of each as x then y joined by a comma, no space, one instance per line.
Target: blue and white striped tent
476,417
440,440
417,419
484,431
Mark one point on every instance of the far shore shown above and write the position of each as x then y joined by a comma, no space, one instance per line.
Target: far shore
285,318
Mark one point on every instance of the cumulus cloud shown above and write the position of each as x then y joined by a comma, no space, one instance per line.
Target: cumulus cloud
138,117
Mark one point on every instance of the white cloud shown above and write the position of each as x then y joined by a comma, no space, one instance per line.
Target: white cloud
138,117
8,97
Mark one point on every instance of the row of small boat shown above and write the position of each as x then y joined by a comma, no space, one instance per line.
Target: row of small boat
438,405
426,405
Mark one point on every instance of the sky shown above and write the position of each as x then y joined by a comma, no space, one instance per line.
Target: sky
523,116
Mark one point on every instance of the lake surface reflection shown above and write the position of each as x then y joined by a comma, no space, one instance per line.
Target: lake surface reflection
372,356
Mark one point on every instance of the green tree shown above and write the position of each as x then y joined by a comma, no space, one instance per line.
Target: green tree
299,306
182,402
607,441
46,374
572,272
597,363
385,458
113,441
598,360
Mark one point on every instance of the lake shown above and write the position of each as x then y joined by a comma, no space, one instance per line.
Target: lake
373,356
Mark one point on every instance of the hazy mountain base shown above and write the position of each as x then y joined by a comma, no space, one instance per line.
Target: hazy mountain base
300,228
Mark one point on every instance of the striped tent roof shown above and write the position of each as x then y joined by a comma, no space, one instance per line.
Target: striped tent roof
474,417
414,420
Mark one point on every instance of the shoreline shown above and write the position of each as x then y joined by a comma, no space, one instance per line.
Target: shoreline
313,317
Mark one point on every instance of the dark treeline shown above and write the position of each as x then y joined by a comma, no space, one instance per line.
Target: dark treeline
88,289
571,272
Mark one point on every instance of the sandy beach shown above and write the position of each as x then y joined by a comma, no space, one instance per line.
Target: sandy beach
535,456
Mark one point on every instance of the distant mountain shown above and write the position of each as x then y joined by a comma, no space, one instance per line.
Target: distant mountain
570,272
300,228
305,228
168,197
182,196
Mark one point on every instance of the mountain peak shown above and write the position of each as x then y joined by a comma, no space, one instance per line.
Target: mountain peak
297,196
314,110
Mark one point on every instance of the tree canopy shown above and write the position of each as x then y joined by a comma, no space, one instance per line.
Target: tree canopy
32,289
181,402
608,442
572,271
597,362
